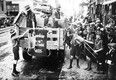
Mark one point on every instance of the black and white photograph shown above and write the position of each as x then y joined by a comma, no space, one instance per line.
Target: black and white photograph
57,39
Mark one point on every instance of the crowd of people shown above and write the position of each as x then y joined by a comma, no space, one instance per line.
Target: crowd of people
98,44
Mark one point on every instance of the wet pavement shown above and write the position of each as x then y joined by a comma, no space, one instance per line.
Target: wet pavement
43,68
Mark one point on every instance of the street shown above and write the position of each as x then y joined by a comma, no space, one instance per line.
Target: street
37,69
45,69
57,40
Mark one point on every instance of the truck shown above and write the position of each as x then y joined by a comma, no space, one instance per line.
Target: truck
45,42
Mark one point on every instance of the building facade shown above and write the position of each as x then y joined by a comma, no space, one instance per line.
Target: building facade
12,9
109,12
2,8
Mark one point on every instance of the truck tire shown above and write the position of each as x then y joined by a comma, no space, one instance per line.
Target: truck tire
53,53
48,53
61,55
26,56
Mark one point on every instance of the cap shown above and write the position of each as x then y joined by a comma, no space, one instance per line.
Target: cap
102,29
112,45
98,20
92,24
27,8
58,6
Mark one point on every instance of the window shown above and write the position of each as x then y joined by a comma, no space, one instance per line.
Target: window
114,9
2,6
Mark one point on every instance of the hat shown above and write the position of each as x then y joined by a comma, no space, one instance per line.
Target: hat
98,20
112,45
58,6
102,29
27,8
98,28
92,24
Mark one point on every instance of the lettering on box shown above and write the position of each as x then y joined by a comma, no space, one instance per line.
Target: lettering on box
40,35
39,44
41,39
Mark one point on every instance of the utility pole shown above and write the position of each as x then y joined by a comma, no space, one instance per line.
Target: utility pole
0,6
4,3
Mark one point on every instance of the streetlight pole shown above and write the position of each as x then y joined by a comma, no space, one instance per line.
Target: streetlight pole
0,6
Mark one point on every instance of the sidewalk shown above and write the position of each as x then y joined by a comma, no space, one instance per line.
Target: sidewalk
79,73
6,48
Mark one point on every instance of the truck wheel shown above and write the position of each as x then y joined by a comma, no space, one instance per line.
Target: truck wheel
48,53
61,55
26,56
53,53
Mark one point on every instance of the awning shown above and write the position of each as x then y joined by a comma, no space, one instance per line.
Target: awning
109,2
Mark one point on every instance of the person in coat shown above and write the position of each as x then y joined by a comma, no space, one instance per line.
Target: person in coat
111,61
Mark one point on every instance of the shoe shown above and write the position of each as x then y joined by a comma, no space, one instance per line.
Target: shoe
86,68
89,69
78,66
16,73
69,67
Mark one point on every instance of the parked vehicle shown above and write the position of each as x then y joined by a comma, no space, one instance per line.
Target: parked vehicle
39,42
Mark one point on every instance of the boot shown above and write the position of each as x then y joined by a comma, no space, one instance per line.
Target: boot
15,72
86,68
89,66
70,64
98,67
78,63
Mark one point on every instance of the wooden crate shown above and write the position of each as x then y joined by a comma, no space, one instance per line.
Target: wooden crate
53,38
61,40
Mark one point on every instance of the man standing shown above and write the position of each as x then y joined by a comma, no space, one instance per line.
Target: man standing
31,23
57,17
31,20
